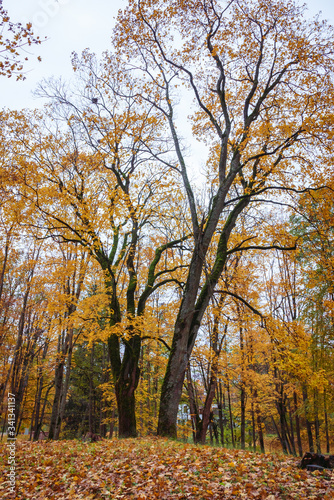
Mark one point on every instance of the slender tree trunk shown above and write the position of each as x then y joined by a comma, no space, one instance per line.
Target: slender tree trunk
260,429
220,412
35,421
316,420
4,265
253,426
299,441
91,423
288,435
326,424
259,421
56,400
308,423
230,412
215,429
292,431
242,387
242,417
283,444
40,422
112,424
281,412
65,386
194,415
206,415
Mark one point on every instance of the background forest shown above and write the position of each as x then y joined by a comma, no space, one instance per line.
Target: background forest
143,290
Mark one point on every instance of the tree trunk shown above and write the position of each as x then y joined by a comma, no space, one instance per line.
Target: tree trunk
38,397
253,427
126,411
242,417
299,441
278,433
194,415
91,423
242,387
292,431
259,421
230,412
281,412
259,428
326,424
171,390
316,420
125,386
192,310
220,413
56,400
65,386
39,424
308,423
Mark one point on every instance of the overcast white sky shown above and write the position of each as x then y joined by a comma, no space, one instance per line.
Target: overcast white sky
73,25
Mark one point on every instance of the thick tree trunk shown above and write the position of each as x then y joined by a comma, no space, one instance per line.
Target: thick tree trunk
125,387
171,390
126,405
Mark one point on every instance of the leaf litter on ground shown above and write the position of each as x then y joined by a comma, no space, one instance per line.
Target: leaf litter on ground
153,468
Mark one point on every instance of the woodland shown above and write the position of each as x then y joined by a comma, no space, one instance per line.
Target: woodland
166,256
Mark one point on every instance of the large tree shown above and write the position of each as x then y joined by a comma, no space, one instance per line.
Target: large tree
260,79
93,181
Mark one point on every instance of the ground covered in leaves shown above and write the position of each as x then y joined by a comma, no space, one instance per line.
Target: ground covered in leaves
156,469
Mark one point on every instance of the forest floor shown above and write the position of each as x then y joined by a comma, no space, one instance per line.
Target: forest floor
152,468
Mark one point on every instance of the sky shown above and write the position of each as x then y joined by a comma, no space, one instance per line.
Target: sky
73,25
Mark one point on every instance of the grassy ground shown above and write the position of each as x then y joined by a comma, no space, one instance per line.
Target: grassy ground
154,468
